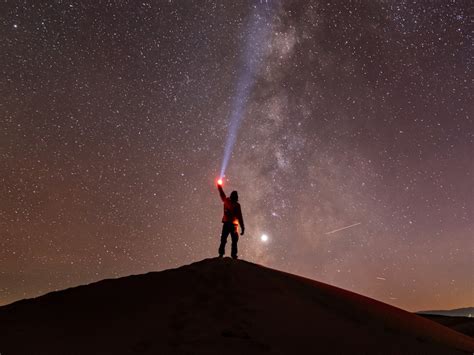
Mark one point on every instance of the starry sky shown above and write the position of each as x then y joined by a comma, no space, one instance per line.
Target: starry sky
114,118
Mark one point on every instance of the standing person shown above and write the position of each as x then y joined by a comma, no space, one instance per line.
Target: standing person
230,221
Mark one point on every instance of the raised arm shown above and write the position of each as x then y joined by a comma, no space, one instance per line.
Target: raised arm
221,193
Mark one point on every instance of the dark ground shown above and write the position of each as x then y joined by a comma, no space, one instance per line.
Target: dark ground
463,325
218,306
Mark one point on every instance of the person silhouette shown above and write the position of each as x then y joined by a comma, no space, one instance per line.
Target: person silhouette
230,221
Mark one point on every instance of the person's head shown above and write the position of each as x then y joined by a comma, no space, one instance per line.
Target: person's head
234,196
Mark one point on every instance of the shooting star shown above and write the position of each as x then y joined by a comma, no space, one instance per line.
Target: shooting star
340,229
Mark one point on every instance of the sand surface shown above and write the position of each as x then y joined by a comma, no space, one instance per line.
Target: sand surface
218,306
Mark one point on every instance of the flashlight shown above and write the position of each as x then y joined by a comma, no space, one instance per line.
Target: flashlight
219,182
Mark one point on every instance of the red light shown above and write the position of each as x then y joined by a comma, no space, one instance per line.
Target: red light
219,182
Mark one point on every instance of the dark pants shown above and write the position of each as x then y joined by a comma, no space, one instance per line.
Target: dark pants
234,235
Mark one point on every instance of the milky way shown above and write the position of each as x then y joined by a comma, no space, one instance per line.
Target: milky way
115,115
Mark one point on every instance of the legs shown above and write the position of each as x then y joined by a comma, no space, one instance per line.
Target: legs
224,235
226,229
235,238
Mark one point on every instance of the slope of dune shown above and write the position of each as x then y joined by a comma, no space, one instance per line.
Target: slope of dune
218,306
463,325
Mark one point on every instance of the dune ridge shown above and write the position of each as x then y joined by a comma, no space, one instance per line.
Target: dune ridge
218,306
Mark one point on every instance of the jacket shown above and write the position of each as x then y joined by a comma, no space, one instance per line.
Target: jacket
232,210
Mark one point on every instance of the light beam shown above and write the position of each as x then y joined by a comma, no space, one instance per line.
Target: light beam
259,26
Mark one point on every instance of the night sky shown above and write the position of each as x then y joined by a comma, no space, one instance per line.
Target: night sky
114,118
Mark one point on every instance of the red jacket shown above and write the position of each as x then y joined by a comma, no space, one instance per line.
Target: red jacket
232,211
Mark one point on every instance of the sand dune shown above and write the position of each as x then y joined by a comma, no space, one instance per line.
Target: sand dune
218,306
463,325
